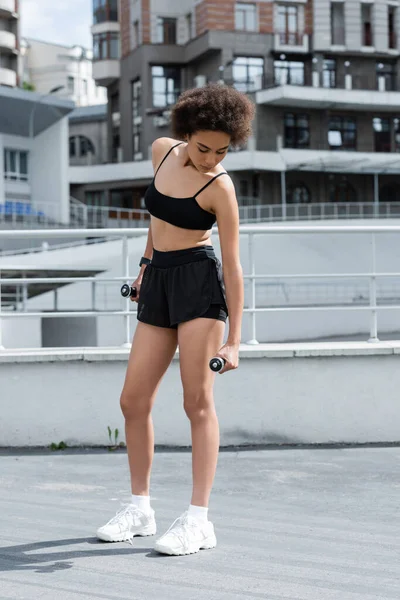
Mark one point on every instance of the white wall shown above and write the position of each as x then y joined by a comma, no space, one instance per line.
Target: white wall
50,164
306,397
2,181
49,65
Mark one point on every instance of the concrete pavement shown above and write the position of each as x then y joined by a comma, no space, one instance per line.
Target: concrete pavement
295,524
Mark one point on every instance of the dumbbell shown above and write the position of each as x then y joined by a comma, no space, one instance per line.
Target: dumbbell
128,291
217,364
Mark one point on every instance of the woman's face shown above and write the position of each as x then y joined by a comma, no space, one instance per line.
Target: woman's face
206,149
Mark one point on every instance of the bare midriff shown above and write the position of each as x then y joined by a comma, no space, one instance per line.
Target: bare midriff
167,237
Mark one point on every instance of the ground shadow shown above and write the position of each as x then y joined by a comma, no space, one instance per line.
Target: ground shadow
17,558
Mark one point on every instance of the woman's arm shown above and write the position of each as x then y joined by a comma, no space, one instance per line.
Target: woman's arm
227,213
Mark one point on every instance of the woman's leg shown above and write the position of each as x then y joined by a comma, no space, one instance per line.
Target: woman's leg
152,351
198,341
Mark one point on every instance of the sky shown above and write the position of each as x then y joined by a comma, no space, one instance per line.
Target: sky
62,21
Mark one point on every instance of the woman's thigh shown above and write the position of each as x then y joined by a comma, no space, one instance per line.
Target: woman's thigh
198,342
152,351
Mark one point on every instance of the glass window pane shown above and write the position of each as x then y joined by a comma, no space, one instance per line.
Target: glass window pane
23,163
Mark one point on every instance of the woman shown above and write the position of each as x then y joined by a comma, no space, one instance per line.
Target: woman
182,302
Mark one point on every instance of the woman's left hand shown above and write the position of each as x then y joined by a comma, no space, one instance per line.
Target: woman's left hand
229,352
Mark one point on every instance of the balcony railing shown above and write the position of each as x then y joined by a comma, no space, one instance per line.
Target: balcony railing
93,217
371,300
291,38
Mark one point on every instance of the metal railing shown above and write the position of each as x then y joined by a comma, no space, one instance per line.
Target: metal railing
258,213
359,303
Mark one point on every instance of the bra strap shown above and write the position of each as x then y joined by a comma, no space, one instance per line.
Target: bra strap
166,156
209,183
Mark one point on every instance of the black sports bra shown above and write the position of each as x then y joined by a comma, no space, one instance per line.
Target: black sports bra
181,212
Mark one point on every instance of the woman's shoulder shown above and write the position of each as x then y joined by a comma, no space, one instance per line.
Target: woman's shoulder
161,146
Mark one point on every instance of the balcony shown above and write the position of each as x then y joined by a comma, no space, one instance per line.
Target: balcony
8,42
291,41
8,77
333,98
7,9
106,71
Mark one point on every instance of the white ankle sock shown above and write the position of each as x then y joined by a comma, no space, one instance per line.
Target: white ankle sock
198,512
142,503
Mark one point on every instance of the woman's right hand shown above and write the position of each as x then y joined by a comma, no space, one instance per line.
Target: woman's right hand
136,284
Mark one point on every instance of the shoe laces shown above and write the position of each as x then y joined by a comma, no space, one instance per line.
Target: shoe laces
183,527
127,510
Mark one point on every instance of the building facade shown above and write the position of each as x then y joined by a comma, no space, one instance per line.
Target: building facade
46,65
323,74
9,43
34,182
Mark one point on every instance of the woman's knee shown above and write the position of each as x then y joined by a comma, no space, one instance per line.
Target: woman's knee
198,403
134,406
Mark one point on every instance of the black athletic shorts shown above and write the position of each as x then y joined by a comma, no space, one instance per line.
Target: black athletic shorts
182,285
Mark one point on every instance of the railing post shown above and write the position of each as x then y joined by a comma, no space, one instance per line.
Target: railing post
253,340
125,270
283,194
93,296
373,336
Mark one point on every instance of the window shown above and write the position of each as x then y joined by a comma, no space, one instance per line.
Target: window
15,165
329,73
396,124
342,192
245,17
288,22
392,29
189,25
389,193
166,30
80,146
298,193
95,198
84,87
366,20
248,73
106,46
337,24
166,85
115,128
105,10
136,117
135,40
289,72
381,134
342,133
386,77
297,131
71,84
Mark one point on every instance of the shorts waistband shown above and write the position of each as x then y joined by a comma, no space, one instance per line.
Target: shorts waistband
174,258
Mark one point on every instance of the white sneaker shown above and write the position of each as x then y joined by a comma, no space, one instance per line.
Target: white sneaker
186,535
128,522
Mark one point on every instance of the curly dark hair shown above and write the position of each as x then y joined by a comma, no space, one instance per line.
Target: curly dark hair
214,107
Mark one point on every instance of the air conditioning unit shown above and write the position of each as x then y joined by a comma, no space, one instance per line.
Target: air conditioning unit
200,81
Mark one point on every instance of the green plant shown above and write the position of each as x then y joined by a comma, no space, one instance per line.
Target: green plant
113,434
29,87
59,446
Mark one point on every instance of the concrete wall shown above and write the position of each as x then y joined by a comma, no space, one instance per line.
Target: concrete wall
96,131
286,394
49,175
